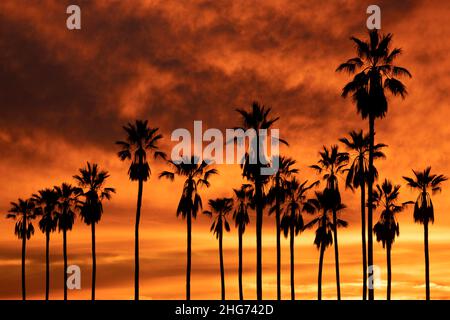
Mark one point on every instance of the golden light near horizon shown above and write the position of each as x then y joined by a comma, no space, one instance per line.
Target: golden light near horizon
67,93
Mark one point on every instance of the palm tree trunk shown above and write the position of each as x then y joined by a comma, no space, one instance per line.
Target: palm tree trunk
222,271
47,265
291,245
65,262
241,293
336,255
278,213
319,280
136,240
370,200
389,272
427,261
259,223
189,248
363,237
24,244
94,262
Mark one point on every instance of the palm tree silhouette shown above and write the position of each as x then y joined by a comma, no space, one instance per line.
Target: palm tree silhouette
376,74
221,208
332,163
292,221
387,228
47,199
23,211
359,143
92,180
255,119
68,205
321,205
423,181
277,196
244,201
139,140
197,174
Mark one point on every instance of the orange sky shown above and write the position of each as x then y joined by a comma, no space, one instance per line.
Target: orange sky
65,94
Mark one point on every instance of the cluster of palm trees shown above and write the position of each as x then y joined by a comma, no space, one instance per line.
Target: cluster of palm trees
56,208
375,76
283,194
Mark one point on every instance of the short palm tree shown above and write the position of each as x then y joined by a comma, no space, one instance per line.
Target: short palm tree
359,144
321,206
220,207
244,202
332,164
277,196
424,181
387,227
47,199
68,205
140,140
258,117
23,212
92,181
196,174
292,222
376,74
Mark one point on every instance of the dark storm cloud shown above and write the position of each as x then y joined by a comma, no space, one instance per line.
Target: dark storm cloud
74,84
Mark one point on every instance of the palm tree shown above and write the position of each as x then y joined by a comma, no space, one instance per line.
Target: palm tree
255,119
139,140
387,228
240,216
23,211
221,208
47,199
332,164
92,180
196,174
359,143
67,206
292,221
423,181
321,205
277,196
376,75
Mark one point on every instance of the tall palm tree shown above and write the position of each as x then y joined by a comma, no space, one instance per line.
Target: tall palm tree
221,207
277,196
140,140
292,221
196,175
321,206
375,75
240,216
423,181
47,199
92,181
332,164
23,211
357,173
387,227
68,205
258,117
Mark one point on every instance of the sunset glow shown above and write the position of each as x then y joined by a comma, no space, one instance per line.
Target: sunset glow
65,95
